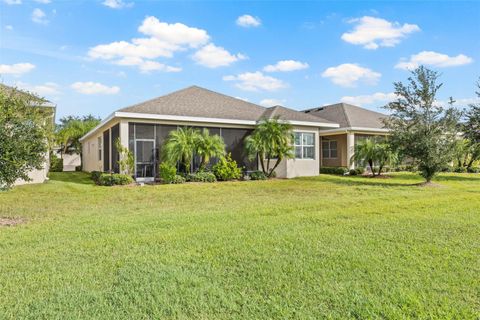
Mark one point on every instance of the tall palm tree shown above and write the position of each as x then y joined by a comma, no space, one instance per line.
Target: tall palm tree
208,146
271,139
180,146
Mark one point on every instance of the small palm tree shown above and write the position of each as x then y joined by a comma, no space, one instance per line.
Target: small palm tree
180,146
271,139
208,146
374,152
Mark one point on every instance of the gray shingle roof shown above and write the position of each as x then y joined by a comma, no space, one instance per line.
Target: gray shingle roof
348,115
199,102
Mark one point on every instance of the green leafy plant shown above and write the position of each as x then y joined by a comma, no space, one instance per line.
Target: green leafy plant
180,147
376,152
56,163
420,128
334,170
258,175
272,140
178,179
201,176
25,133
167,172
108,179
227,169
356,171
126,161
95,175
208,146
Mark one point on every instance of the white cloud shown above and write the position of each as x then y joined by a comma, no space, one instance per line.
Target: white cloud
212,56
117,4
12,2
43,1
45,89
432,58
9,27
285,66
146,66
254,81
272,102
248,21
16,69
371,32
38,16
163,41
350,74
94,88
378,97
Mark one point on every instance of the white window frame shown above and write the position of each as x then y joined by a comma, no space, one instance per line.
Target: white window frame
329,149
301,145
100,146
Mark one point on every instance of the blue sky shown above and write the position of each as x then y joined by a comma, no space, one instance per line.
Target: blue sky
98,56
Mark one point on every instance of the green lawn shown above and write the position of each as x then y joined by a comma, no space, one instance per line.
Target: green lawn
323,247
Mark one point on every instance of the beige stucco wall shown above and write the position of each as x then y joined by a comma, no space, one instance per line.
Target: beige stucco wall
341,160
37,176
292,168
90,153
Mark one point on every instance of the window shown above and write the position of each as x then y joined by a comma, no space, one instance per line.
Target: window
99,148
329,149
304,145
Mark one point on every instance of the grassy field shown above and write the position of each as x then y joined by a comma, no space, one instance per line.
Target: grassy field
322,247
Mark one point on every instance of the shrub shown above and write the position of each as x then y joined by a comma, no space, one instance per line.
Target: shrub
167,172
178,179
258,175
201,176
56,163
107,179
334,170
227,169
95,175
356,171
460,170
473,170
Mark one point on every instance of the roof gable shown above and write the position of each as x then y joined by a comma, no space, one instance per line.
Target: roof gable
348,116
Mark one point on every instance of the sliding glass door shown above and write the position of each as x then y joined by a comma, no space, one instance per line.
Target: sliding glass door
145,159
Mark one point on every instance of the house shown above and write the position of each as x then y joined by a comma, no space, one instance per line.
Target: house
355,123
143,128
48,110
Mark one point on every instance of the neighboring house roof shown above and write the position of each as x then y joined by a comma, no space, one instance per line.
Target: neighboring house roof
350,116
39,101
196,104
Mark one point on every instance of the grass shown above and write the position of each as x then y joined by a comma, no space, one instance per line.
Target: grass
307,248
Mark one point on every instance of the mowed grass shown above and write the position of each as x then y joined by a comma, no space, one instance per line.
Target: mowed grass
307,248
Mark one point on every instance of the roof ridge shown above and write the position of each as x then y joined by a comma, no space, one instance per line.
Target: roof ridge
346,115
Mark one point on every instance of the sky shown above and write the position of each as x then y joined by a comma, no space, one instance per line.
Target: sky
94,57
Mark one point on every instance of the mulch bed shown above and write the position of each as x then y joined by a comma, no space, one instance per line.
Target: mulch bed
10,222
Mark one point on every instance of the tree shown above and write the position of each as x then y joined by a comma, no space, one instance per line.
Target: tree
180,147
376,153
71,129
420,127
471,131
25,132
272,139
208,146
127,161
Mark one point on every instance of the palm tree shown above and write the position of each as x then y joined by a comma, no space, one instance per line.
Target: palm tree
374,152
180,146
208,146
271,139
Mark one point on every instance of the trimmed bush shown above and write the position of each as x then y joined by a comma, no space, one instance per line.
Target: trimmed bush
167,172
201,176
178,179
107,179
334,170
460,170
473,170
257,175
56,163
95,175
356,171
227,169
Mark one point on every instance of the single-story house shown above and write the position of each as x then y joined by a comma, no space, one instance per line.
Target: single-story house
355,123
143,128
48,110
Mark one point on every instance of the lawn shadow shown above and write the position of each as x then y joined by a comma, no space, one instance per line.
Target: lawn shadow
469,177
71,177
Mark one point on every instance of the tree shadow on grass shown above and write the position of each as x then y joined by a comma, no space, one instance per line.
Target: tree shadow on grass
469,177
71,177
